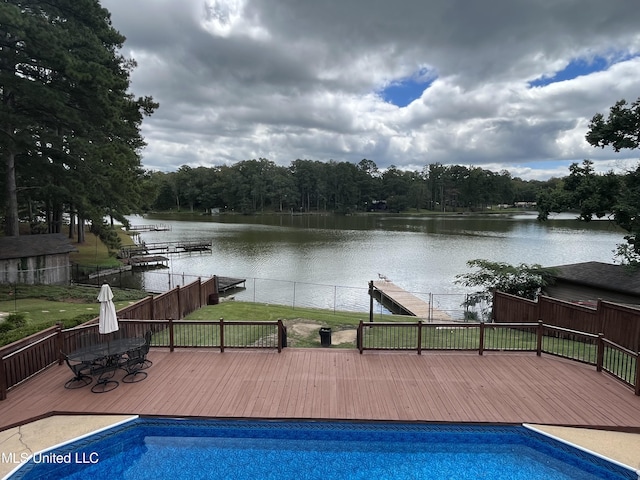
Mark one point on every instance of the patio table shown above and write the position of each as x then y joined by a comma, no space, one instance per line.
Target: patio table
104,359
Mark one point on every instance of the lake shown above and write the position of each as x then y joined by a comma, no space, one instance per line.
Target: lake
327,261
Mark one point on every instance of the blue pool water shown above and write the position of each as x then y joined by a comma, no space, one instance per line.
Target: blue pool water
180,448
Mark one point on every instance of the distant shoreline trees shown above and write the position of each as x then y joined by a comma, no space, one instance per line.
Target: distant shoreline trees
259,185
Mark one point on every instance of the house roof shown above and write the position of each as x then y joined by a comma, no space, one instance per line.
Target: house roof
34,245
607,276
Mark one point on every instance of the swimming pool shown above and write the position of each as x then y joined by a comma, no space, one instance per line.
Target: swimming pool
187,448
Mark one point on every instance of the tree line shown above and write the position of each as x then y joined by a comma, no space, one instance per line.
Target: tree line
259,185
70,138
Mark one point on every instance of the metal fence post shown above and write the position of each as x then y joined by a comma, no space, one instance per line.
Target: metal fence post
430,307
370,301
481,347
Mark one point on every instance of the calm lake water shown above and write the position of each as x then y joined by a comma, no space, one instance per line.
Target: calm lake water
320,259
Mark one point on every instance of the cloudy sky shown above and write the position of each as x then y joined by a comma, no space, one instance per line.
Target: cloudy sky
494,83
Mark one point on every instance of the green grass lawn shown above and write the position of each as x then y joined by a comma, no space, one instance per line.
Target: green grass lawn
42,306
257,311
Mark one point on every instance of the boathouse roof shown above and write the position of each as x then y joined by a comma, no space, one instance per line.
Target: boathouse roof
34,245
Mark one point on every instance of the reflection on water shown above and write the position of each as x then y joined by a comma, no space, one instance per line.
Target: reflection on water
421,254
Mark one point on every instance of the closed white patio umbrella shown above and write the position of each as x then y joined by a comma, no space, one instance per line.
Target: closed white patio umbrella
108,318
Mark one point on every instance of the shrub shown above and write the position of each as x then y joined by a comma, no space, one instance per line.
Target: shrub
17,320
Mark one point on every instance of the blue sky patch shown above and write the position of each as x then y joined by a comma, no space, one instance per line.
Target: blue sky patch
577,68
404,91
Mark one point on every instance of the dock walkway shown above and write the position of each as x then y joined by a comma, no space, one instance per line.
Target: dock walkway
164,248
150,228
398,300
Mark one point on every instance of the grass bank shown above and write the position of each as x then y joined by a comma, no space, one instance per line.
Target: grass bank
93,252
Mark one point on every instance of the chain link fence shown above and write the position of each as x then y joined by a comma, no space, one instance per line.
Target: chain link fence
442,307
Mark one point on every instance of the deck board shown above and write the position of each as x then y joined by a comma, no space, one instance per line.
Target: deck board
342,384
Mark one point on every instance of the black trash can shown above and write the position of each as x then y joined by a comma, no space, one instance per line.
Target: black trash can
325,336
214,299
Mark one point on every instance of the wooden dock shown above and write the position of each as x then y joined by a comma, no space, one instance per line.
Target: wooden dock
150,228
401,302
185,246
148,261
226,284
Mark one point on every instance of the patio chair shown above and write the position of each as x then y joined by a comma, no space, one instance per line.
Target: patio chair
81,377
105,369
145,349
133,364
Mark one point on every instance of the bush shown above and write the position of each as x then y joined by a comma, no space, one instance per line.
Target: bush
17,320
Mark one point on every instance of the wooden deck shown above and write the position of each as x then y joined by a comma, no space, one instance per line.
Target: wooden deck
406,303
342,384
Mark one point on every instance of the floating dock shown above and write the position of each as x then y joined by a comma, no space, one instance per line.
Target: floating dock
148,261
401,302
228,283
150,228
186,246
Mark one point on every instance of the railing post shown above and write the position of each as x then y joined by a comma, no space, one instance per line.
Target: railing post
637,389
600,354
359,335
280,333
59,342
540,331
3,380
221,334
481,347
419,337
171,337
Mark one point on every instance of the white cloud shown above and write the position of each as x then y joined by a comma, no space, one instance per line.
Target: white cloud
285,79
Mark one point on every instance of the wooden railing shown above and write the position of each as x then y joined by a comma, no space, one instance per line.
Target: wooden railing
47,349
174,334
538,337
25,358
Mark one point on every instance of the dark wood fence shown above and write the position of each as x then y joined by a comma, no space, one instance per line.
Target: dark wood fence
618,323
